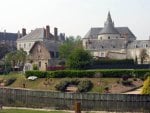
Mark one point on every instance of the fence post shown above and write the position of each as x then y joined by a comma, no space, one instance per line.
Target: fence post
77,107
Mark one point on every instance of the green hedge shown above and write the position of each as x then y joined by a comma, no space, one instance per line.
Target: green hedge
87,73
113,61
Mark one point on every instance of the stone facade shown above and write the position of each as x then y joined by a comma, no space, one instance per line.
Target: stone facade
115,42
41,46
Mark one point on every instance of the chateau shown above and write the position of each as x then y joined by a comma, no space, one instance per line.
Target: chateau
115,43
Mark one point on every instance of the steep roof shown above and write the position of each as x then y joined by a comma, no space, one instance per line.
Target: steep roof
50,46
94,32
8,36
37,34
109,26
139,44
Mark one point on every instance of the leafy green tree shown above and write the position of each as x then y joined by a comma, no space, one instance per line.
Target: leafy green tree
143,55
146,86
16,58
79,59
69,45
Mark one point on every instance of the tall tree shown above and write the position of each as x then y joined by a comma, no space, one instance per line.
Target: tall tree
69,45
79,59
143,55
16,58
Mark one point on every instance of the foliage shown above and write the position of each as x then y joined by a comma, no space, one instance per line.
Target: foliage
39,74
79,59
62,85
112,61
112,73
126,82
9,81
85,86
16,58
69,45
143,55
35,67
146,86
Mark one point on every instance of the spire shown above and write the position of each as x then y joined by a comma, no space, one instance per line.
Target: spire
109,20
109,26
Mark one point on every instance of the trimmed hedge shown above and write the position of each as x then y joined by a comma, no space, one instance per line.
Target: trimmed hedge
113,62
114,73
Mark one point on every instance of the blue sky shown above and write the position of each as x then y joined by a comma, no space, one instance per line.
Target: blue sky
75,17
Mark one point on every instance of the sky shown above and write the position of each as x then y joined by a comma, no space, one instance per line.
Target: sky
75,17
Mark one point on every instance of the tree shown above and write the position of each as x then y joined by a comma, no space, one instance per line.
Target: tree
69,45
143,55
79,59
146,86
16,58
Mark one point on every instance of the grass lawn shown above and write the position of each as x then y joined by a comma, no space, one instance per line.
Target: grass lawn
28,111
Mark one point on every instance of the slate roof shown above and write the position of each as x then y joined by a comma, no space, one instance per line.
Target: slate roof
94,32
110,44
37,34
109,29
139,44
109,26
8,36
50,46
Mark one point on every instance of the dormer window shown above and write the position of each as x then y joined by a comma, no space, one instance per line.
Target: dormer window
102,47
109,37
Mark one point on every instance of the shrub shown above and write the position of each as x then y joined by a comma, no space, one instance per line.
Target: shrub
9,81
85,86
35,67
62,85
39,74
114,73
126,82
146,86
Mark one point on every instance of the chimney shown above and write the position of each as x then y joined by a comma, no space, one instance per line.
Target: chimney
19,35
55,32
23,31
47,31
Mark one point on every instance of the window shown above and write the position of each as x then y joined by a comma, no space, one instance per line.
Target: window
57,54
116,37
102,54
52,54
109,37
40,64
29,44
24,45
102,46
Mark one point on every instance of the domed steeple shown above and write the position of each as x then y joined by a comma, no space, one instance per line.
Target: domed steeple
109,26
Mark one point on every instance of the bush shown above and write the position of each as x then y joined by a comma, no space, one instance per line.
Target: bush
85,86
113,62
62,85
39,74
9,81
114,73
146,86
35,67
126,82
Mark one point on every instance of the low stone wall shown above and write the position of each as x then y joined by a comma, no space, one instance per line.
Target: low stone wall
79,96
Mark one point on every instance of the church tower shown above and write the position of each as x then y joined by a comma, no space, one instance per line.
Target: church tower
109,31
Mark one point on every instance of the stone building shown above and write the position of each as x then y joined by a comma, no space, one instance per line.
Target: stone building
8,38
114,42
41,46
